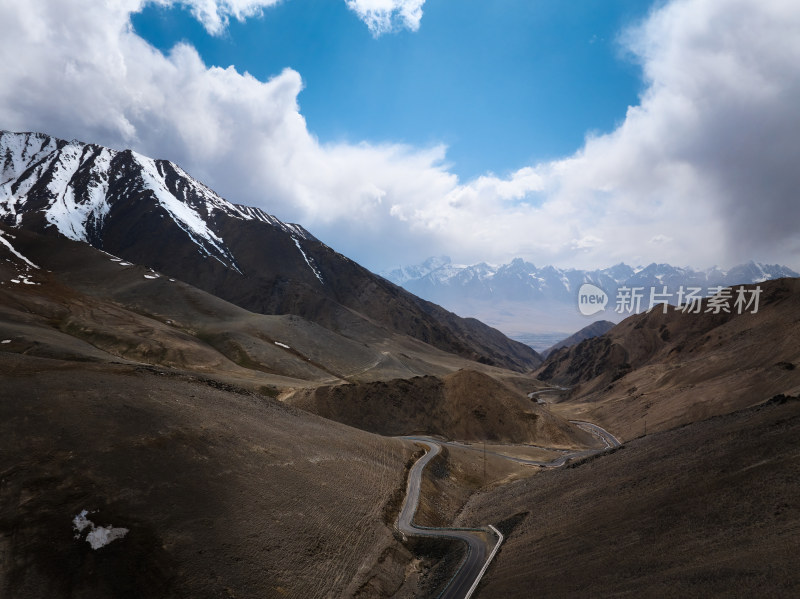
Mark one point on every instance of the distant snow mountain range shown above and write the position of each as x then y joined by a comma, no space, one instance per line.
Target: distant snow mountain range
439,280
529,302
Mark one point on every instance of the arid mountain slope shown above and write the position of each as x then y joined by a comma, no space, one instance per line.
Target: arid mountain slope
675,368
150,404
465,405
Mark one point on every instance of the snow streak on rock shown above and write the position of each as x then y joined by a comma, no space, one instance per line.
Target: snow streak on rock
11,249
182,213
305,257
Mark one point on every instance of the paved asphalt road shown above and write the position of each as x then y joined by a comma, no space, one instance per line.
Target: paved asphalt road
477,544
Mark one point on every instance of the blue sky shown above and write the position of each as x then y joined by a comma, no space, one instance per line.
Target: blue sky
502,83
578,134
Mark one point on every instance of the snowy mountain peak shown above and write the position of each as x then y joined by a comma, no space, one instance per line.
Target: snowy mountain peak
75,187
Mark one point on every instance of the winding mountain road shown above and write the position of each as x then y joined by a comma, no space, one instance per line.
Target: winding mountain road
478,540
466,579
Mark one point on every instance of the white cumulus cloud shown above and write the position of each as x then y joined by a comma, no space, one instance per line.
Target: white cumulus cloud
82,72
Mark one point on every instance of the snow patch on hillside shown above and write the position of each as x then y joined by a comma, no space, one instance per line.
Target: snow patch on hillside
98,536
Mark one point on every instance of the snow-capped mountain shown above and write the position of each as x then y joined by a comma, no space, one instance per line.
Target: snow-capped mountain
151,212
81,190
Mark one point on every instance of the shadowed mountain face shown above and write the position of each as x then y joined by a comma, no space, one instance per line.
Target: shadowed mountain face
150,212
673,368
222,492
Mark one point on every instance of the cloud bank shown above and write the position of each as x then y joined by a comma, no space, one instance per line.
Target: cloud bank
702,171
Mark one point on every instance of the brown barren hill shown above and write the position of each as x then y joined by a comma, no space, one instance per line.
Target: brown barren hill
664,370
597,328
465,405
